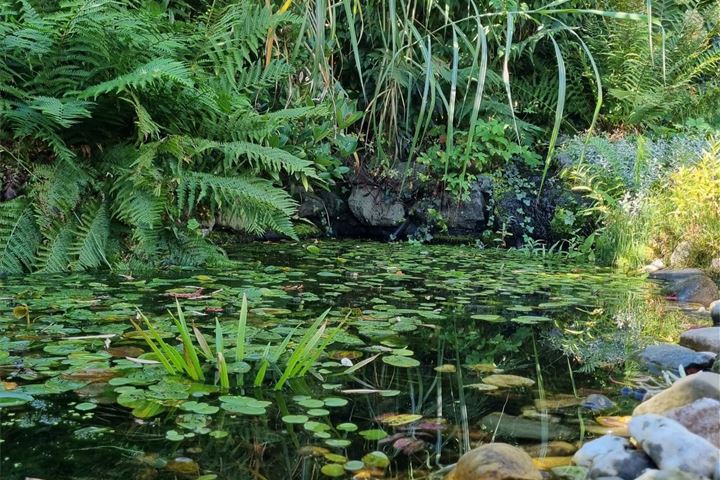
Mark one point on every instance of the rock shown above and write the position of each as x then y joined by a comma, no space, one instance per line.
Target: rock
715,313
373,208
701,417
495,461
653,267
508,426
466,217
675,274
672,446
715,265
682,392
696,289
680,257
716,366
667,356
702,339
555,448
653,474
611,456
598,403
570,473
311,206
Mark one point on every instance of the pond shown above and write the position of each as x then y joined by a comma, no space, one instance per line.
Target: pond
420,346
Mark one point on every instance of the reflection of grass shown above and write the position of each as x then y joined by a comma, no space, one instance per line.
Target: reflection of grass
630,327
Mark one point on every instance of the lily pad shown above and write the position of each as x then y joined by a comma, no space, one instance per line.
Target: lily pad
332,470
401,419
12,399
376,459
295,419
400,361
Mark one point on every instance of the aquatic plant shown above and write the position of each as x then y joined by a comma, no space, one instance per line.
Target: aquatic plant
301,358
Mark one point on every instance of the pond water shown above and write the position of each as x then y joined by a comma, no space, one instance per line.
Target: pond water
419,340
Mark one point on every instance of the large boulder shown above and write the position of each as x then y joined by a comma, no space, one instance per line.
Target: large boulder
699,289
668,356
681,255
467,217
673,447
701,417
682,392
696,289
372,207
675,274
702,339
495,461
612,456
511,427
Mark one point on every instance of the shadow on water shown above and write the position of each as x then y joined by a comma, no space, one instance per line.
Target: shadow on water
426,327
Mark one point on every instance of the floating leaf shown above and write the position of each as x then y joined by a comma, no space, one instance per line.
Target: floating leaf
318,412
335,458
488,318
374,434
86,406
347,427
354,465
338,442
335,402
376,459
332,470
295,419
400,361
531,319
13,399
311,403
199,407
401,419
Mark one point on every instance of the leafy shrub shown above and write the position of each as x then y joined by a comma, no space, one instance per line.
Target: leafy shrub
688,210
492,148
645,196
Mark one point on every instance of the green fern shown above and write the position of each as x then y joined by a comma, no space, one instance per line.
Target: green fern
89,248
19,237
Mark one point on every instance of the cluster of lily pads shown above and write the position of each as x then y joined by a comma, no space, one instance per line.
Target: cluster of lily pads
71,338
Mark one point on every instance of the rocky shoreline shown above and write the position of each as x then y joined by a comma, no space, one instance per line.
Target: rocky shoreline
673,434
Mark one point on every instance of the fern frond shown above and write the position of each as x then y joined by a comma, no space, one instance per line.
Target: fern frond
153,72
258,157
256,201
54,253
19,236
89,247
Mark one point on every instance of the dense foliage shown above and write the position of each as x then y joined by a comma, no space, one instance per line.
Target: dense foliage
131,123
129,129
